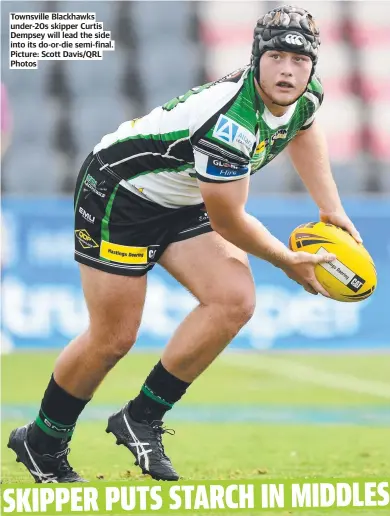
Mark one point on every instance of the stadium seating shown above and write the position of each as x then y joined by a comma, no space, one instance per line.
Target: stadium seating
91,124
86,76
379,136
370,24
34,171
162,49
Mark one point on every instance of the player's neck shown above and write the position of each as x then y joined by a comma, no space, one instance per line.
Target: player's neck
273,108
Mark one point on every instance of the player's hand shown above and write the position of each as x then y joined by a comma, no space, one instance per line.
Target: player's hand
340,218
299,266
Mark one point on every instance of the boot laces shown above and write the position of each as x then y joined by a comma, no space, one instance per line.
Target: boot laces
60,459
159,430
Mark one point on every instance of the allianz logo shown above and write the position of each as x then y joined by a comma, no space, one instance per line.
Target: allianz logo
242,138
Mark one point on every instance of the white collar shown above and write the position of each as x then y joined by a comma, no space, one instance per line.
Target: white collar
273,121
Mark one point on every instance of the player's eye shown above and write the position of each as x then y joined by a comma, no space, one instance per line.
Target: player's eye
275,56
300,59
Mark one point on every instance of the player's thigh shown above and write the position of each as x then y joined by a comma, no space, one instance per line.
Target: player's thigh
213,269
116,244
115,303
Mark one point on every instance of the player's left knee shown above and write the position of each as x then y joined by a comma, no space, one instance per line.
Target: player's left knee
240,308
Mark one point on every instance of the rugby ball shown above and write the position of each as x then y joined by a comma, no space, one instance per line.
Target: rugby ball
352,276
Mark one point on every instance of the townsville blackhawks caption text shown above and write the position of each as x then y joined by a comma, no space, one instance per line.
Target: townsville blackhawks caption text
222,497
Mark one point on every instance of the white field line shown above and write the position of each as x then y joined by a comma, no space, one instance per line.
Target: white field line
303,373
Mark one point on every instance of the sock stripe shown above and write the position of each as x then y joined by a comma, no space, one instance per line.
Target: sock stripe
58,433
56,423
148,392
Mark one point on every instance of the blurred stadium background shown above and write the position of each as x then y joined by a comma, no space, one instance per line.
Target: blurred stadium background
165,48
53,116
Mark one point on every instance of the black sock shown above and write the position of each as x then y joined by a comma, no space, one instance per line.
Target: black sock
159,393
55,423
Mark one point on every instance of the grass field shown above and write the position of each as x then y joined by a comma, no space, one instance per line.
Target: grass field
295,401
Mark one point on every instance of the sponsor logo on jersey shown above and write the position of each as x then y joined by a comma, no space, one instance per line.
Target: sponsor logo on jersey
127,254
281,134
88,217
152,254
294,40
259,154
261,147
85,239
228,131
203,218
97,188
123,253
219,168
225,129
246,139
225,164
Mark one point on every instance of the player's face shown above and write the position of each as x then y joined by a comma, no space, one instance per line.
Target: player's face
284,76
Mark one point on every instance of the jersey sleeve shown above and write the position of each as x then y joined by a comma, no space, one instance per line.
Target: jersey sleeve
215,167
315,97
218,158
222,146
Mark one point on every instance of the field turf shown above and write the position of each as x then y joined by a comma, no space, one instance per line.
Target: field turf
219,445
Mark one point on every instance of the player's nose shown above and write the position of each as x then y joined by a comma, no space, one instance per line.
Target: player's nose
286,72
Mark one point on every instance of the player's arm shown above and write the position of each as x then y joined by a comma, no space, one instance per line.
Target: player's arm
309,154
223,178
225,204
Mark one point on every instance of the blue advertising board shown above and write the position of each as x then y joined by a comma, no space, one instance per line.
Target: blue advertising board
43,306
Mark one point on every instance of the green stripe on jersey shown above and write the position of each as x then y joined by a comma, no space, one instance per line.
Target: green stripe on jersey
242,111
316,86
81,185
105,229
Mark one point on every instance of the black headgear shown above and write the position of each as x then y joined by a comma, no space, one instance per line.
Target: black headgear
286,28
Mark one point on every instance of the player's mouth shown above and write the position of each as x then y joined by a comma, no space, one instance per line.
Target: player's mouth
285,85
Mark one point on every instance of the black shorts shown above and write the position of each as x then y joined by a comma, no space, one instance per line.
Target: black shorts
119,232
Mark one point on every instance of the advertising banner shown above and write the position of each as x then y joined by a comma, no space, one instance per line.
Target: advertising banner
43,306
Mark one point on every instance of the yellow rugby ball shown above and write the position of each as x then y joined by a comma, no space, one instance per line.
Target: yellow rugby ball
352,276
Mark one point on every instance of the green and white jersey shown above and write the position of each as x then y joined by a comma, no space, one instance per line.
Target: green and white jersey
218,132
